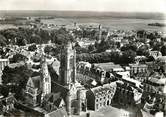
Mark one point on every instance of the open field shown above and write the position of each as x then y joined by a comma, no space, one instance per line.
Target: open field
112,23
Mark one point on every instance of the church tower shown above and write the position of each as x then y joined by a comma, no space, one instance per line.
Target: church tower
46,79
68,73
68,66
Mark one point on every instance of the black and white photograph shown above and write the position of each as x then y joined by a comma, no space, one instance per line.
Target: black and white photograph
82,58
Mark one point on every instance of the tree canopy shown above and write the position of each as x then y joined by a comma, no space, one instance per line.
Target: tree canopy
17,58
2,40
17,78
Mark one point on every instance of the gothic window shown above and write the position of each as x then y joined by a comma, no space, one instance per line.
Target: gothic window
46,79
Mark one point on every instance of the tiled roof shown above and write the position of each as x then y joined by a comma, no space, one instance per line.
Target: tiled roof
107,66
104,88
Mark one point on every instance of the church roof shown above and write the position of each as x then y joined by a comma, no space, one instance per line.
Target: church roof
107,66
57,88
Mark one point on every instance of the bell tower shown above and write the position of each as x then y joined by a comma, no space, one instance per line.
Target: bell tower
68,66
46,79
68,72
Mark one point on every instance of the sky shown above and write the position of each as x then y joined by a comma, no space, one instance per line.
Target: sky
86,5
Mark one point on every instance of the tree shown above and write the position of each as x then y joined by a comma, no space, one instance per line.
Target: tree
17,77
17,58
35,39
141,33
128,57
143,50
32,47
48,49
91,48
129,47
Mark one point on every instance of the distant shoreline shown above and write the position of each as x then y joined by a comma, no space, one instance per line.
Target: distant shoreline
157,24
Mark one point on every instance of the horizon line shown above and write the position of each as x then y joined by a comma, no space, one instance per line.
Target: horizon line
83,11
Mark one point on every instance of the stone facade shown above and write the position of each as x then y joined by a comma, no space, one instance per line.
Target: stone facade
33,91
100,96
38,87
124,95
138,69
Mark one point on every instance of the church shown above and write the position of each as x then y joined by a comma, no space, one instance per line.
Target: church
51,94
38,87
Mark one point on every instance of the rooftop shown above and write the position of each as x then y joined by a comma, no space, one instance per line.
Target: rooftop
107,66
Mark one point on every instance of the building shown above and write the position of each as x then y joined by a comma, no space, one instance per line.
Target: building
155,54
155,83
68,82
161,63
110,68
86,74
7,103
3,63
46,79
138,69
100,96
124,95
38,87
68,66
33,91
